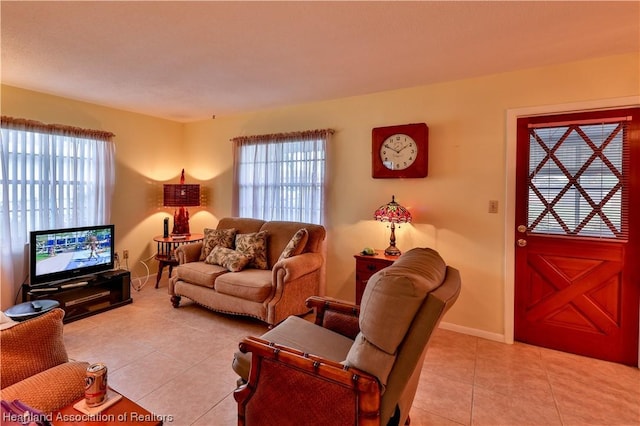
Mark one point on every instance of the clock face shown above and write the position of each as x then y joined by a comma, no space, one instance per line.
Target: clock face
398,151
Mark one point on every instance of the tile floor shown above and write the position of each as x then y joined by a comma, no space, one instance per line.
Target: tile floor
177,362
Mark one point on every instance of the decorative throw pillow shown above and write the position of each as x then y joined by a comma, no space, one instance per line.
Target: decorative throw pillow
296,244
216,237
254,246
32,346
233,260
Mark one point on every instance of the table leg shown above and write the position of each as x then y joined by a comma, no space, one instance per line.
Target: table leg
161,265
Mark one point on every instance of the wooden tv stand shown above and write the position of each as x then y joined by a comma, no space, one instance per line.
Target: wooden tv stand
85,296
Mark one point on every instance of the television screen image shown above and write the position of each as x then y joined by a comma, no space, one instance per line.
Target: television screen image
67,253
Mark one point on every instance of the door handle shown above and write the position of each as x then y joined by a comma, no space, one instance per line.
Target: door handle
522,242
522,229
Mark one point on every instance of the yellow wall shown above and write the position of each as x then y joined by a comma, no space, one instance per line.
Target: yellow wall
467,144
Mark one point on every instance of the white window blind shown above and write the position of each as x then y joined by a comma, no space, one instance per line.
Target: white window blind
578,178
52,176
281,176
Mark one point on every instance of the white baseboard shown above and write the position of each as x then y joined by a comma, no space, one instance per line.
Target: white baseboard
473,332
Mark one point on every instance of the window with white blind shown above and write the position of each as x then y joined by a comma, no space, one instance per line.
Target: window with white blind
53,177
281,176
578,178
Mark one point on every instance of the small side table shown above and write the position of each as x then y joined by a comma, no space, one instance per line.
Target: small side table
27,310
366,266
165,255
123,412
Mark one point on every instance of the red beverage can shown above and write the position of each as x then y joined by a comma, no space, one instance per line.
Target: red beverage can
95,385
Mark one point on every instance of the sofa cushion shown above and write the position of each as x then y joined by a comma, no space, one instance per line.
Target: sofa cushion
254,245
199,273
216,237
31,346
295,245
233,260
252,284
389,303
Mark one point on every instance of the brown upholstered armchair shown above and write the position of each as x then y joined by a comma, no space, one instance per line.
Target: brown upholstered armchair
356,365
34,366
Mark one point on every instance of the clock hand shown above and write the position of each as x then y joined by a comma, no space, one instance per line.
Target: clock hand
394,150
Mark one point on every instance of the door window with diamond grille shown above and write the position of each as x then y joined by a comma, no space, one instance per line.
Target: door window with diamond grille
576,181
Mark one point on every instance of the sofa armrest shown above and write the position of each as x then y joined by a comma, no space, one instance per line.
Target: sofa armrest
295,267
285,384
51,389
336,315
186,253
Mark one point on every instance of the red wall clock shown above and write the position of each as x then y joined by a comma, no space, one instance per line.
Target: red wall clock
400,151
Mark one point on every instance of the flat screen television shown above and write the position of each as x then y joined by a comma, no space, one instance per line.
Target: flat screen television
64,254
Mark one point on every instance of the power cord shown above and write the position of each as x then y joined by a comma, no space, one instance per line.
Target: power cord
140,283
24,282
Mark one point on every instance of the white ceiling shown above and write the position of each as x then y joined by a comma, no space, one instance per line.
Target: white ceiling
188,60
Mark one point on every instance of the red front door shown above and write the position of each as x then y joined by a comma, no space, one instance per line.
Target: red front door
577,265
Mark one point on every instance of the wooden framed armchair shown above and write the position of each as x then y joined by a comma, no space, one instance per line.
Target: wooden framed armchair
356,365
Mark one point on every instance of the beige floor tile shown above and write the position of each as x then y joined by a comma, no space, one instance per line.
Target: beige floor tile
420,417
509,379
591,372
451,355
188,397
138,379
444,397
494,409
595,405
222,414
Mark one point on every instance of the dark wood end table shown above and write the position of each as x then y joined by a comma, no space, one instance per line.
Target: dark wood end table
367,265
166,246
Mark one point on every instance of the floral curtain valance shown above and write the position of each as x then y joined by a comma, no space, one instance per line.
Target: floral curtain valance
61,129
279,137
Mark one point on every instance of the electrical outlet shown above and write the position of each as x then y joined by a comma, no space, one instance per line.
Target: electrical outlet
116,257
125,254
493,206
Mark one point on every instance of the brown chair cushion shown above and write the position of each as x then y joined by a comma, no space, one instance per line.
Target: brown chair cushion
32,346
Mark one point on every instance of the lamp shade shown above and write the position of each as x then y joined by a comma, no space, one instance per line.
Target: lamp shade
181,195
392,212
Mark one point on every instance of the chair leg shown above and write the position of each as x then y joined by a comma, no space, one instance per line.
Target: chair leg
175,301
